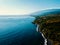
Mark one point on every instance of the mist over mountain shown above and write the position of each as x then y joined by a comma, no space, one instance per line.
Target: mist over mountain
46,12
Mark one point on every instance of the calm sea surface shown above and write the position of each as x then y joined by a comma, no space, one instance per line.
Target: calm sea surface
19,31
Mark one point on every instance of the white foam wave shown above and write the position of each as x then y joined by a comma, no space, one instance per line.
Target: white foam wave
37,29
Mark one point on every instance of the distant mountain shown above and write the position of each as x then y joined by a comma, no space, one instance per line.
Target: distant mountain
46,12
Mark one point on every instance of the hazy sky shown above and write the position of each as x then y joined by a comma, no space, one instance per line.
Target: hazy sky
19,7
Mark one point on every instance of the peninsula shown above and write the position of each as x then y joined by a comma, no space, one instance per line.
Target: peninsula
49,25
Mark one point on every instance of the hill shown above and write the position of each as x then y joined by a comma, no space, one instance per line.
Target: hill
49,25
46,12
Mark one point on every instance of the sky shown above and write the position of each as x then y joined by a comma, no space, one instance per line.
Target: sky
21,7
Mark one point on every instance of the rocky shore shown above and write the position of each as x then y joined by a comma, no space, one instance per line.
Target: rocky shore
50,27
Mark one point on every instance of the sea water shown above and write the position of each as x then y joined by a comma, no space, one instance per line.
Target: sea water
19,31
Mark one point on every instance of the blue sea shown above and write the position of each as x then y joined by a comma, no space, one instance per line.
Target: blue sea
19,30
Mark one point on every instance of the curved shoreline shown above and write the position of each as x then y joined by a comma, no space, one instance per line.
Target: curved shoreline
37,29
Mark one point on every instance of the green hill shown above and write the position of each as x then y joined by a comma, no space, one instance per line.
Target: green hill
50,26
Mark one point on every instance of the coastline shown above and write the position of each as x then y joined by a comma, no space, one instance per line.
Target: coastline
37,29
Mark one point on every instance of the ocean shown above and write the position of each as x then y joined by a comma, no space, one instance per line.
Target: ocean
19,30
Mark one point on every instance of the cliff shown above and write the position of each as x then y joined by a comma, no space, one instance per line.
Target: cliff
50,26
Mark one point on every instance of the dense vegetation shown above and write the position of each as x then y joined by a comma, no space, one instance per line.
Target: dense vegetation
50,26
